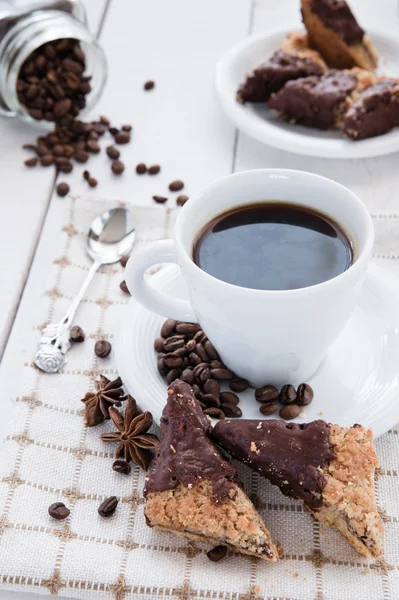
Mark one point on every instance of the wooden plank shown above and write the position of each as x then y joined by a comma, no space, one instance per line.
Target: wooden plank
25,197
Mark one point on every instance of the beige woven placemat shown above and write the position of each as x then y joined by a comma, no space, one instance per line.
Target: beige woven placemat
49,455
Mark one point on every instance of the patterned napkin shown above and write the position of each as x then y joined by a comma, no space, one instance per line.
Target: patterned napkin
49,455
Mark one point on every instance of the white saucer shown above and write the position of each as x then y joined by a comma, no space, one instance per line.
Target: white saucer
358,382
259,122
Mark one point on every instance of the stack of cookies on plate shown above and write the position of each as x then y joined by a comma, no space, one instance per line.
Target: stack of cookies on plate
325,78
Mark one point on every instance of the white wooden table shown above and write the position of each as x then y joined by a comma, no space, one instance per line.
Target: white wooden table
178,125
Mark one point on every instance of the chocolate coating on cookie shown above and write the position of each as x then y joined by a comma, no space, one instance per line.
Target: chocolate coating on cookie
291,456
336,15
186,453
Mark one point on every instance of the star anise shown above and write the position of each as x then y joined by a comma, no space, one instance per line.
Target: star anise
134,442
109,393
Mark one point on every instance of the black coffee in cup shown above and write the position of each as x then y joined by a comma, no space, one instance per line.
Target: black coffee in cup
273,246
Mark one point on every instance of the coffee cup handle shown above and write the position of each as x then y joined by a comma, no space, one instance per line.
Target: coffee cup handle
159,302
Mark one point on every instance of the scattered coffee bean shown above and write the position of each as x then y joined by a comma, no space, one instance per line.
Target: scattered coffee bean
176,185
124,287
291,411
168,328
127,128
210,400
266,393
287,395
62,189
31,162
154,170
304,395
173,374
231,411
124,260
58,511
81,156
93,146
149,85
222,373
102,348
211,350
108,507
121,466
113,130
47,160
160,199
215,413
92,182
181,200
158,344
229,398
113,152
86,175
65,166
217,553
268,409
122,137
141,169
238,384
117,167
187,328
212,387
105,121
76,334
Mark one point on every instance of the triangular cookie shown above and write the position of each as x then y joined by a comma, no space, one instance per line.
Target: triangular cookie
327,466
192,491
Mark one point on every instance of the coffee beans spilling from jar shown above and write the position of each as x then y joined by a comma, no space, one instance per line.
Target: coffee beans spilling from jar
184,352
292,399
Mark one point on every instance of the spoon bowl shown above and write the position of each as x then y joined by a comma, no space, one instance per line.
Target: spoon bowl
111,236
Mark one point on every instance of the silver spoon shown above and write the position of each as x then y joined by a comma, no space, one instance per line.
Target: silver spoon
111,236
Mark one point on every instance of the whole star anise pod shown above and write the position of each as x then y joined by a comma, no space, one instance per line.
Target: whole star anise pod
134,442
109,393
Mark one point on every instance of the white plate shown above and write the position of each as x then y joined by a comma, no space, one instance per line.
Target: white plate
358,382
259,122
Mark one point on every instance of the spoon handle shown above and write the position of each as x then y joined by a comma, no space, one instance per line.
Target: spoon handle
54,342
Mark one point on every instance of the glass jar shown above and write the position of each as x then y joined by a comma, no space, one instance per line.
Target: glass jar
25,32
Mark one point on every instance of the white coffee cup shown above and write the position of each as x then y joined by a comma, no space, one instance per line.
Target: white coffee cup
273,337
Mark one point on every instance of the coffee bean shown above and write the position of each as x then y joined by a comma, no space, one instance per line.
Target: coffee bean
81,156
238,384
181,200
162,369
266,393
210,400
108,507
168,328
176,185
173,360
188,376
121,466
268,409
124,287
47,160
229,397
217,553
149,85
92,182
173,374
122,137
141,169
200,337
58,511
304,395
197,391
187,328
202,372
211,350
200,350
113,152
154,170
62,189
105,121
222,374
76,334
289,412
58,150
212,387
160,199
232,411
62,107
102,348
31,162
173,343
190,346
124,260
93,146
194,359
215,413
202,405
181,352
217,364
113,130
117,167
86,175
65,166
127,128
287,395
158,344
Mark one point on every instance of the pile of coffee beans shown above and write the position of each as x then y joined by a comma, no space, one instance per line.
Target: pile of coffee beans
185,352
292,399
